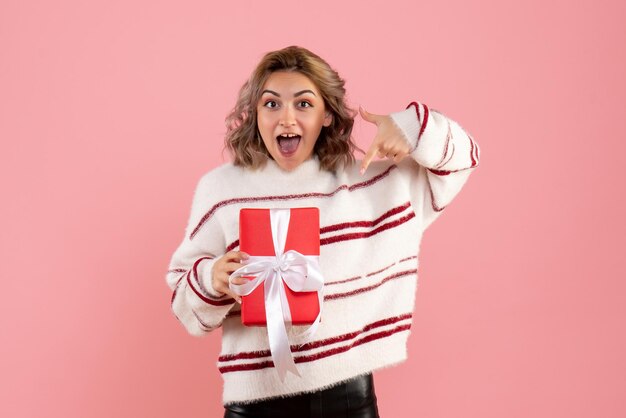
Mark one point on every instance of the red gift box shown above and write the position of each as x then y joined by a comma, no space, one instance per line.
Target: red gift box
255,239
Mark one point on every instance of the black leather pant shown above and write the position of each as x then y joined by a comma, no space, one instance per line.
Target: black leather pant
352,398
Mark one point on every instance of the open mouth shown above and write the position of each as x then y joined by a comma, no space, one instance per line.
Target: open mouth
288,144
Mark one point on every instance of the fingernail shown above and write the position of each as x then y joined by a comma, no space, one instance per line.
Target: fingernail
362,171
245,256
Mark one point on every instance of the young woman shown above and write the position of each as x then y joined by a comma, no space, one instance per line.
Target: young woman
290,138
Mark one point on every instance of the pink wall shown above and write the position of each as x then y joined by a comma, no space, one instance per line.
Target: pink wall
111,110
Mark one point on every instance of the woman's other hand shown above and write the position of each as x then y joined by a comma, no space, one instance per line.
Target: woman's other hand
389,140
223,268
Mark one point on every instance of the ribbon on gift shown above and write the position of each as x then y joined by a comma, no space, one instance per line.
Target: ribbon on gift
300,272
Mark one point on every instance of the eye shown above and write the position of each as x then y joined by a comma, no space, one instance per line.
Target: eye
306,103
274,104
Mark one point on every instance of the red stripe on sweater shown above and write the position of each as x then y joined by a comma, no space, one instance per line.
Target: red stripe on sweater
432,198
359,224
448,159
174,297
351,188
317,344
472,151
360,235
446,172
369,274
473,156
232,246
440,172
419,119
416,106
369,288
318,356
446,145
423,122
176,289
476,151
203,325
381,270
426,114
233,313
351,279
182,276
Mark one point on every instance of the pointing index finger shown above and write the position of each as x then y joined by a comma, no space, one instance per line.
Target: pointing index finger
368,157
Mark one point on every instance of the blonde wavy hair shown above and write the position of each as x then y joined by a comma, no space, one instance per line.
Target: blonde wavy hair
334,145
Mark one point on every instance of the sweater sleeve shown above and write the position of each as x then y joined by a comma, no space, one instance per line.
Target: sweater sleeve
445,154
195,303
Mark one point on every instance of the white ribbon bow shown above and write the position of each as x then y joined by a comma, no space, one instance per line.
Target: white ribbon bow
300,272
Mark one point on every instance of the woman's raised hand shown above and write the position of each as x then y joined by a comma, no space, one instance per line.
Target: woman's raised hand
389,140
223,268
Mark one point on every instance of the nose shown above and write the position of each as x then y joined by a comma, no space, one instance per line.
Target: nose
287,116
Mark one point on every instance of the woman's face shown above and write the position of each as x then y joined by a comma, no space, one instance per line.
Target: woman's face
290,116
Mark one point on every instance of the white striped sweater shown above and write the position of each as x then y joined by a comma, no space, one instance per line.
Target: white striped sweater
370,232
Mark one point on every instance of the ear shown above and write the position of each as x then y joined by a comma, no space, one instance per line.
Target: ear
328,119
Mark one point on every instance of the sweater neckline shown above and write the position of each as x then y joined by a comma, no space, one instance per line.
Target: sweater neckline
306,169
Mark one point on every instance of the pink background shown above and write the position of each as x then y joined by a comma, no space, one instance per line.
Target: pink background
110,111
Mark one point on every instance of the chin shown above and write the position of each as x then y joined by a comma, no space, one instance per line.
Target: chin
287,164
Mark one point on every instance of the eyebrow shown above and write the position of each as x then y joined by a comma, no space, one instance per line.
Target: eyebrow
295,95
